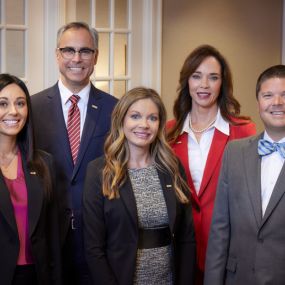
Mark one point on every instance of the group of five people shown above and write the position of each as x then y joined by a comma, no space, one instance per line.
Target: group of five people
131,199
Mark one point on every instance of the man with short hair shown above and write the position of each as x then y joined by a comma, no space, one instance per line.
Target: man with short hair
247,237
71,120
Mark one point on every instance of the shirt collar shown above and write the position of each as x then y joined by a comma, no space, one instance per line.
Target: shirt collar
220,124
268,138
65,93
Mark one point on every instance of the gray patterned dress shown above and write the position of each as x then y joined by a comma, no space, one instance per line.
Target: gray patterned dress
154,265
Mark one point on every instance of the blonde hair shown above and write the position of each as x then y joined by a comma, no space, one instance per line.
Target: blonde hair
117,151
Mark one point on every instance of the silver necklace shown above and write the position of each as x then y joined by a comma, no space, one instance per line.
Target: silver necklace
203,130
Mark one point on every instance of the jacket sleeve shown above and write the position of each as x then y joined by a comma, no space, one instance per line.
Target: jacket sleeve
217,251
94,228
185,245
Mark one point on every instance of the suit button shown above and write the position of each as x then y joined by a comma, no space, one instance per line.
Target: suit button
73,182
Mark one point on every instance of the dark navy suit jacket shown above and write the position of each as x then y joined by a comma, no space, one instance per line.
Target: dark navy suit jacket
51,135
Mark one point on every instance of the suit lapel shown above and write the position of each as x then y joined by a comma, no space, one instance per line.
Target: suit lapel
92,116
169,195
215,153
57,123
128,198
181,150
276,195
35,196
253,176
6,207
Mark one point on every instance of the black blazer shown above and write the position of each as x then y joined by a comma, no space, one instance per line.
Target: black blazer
43,230
111,230
51,136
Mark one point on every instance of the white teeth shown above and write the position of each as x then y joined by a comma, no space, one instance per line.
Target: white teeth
76,68
277,113
203,94
10,122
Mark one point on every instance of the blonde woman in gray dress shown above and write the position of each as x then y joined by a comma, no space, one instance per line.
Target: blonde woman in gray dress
137,216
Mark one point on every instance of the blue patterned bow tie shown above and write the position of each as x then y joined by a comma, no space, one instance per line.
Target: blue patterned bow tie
266,147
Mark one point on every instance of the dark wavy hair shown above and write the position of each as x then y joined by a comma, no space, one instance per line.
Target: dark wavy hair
229,106
25,138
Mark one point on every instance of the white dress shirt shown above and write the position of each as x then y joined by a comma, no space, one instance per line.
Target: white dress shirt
270,169
82,103
198,151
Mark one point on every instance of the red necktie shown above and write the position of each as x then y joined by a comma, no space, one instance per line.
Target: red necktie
73,126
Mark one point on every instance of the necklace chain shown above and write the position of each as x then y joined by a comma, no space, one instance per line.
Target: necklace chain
5,166
203,130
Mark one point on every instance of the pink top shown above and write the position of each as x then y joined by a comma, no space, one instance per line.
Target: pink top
18,194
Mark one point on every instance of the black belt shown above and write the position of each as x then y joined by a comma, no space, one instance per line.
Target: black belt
151,238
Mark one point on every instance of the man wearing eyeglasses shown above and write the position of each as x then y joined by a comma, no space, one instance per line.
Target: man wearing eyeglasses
71,120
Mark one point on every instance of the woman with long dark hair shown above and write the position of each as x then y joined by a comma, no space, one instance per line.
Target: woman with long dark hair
207,116
29,241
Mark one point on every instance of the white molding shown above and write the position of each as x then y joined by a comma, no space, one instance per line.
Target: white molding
158,47
283,34
52,22
35,46
152,38
147,42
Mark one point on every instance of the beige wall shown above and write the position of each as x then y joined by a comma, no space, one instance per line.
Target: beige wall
247,32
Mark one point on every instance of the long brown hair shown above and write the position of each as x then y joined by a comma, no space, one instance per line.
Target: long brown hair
117,150
229,106
25,138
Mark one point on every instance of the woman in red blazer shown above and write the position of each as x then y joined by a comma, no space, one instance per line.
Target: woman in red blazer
206,118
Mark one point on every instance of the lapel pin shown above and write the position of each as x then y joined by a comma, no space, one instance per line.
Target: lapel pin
168,185
178,142
33,173
94,107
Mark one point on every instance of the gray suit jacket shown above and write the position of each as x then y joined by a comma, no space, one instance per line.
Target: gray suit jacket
244,247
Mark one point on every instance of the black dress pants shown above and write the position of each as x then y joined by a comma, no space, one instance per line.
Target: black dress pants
75,271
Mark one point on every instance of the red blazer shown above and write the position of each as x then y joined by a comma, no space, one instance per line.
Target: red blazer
203,203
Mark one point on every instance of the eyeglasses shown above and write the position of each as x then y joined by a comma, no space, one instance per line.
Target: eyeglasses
69,52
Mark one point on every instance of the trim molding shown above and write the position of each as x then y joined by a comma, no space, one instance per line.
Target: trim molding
152,38
283,34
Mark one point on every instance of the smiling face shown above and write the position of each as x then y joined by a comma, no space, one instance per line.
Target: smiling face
75,72
13,110
205,84
141,124
271,104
